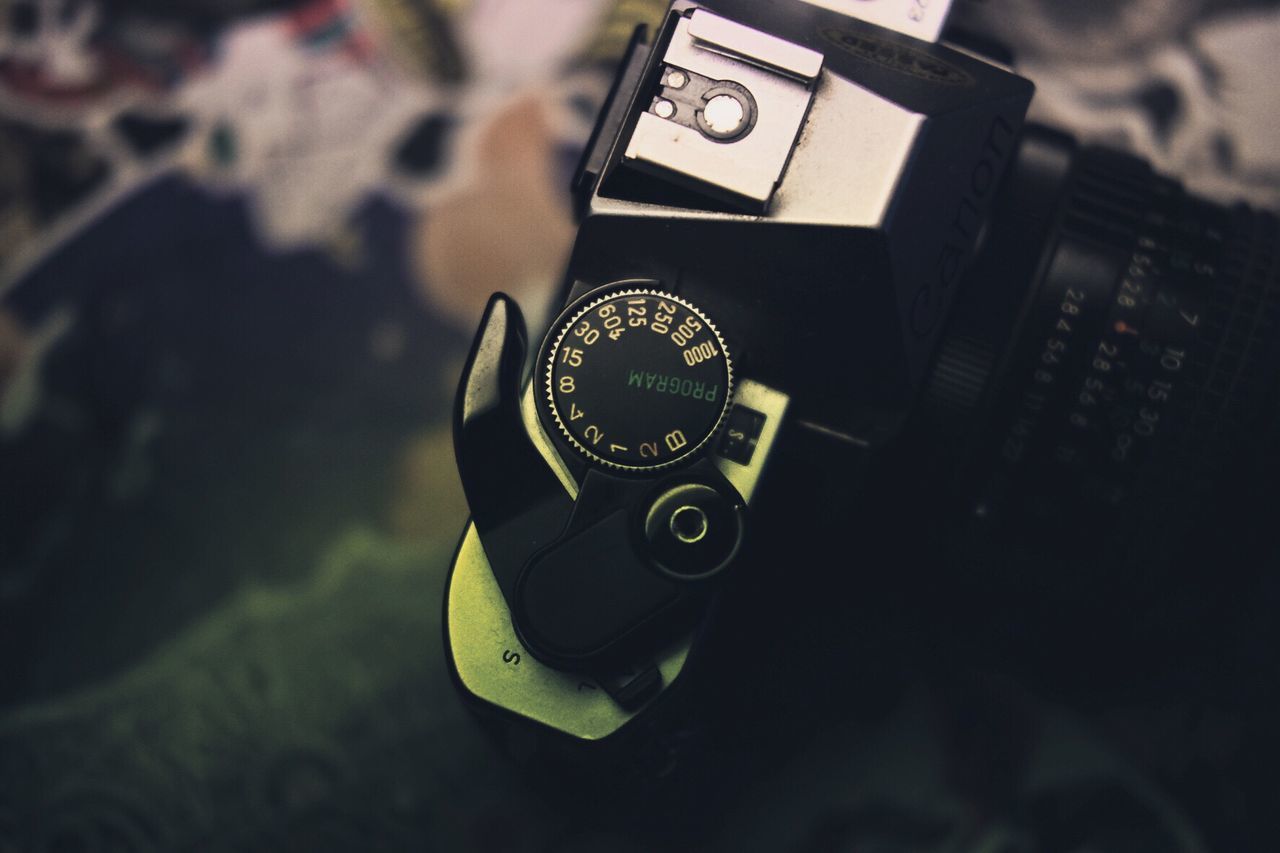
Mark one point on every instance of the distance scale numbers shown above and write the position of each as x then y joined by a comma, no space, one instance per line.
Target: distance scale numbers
638,379
1133,375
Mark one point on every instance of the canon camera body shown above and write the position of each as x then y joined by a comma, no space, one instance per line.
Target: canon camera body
777,206
847,350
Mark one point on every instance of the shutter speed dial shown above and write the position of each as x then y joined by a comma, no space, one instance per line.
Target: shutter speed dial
638,379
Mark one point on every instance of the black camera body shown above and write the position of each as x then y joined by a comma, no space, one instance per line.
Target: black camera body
775,273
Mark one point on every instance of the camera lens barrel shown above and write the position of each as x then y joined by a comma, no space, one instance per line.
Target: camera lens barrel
1112,361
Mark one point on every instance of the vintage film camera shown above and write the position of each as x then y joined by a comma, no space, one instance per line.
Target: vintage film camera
973,357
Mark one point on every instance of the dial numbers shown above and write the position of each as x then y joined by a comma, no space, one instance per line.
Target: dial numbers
638,379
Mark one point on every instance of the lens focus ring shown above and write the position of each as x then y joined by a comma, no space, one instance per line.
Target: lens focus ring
1141,368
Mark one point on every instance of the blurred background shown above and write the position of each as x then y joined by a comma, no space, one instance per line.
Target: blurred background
243,247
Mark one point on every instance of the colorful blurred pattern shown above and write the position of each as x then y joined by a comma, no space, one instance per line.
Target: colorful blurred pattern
243,245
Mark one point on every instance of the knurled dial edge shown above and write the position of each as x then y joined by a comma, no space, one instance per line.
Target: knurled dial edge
566,325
